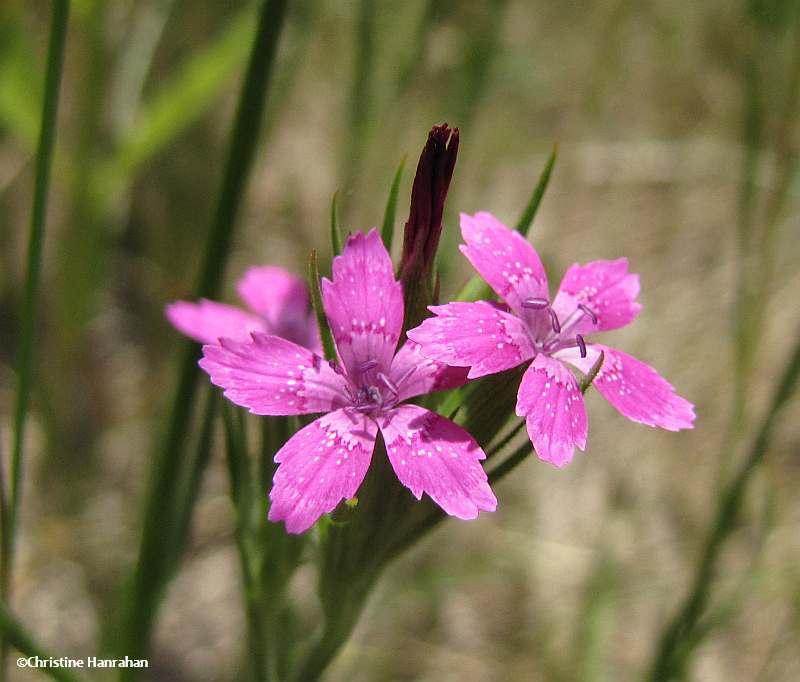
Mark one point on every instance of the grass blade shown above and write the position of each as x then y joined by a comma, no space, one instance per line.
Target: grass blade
387,229
152,565
526,219
44,159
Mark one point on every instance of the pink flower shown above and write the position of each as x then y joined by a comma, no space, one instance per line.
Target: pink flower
490,338
326,461
279,303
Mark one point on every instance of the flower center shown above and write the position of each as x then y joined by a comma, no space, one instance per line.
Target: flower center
559,334
373,392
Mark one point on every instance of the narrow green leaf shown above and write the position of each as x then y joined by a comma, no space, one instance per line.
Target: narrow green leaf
387,230
316,300
590,376
526,219
336,234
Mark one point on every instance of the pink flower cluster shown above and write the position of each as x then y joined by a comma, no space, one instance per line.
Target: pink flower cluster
268,361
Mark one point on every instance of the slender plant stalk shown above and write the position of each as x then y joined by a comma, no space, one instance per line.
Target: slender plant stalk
242,497
13,631
30,304
152,566
676,640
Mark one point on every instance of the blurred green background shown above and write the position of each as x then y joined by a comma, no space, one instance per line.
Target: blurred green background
677,130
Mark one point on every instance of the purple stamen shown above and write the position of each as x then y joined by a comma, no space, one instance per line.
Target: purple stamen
386,381
335,367
316,361
554,321
367,365
588,311
535,303
405,376
581,344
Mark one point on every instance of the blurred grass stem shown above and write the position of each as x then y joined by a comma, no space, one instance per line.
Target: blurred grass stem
676,642
151,571
44,158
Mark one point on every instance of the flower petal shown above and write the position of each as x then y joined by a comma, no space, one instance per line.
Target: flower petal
273,376
364,303
281,298
415,374
637,390
550,399
606,288
321,465
476,335
504,258
431,454
207,321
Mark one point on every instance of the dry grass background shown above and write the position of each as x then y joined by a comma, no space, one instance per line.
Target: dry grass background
578,570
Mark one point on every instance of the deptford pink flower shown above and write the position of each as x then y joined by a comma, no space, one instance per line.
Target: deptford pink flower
326,461
490,338
278,304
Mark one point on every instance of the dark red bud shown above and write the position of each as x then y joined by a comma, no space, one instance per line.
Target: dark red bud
424,225
428,194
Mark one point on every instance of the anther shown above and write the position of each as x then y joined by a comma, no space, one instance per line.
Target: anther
588,311
554,321
581,344
335,366
367,365
535,303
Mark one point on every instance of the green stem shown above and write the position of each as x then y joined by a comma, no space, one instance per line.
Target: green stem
242,499
152,566
44,159
676,640
335,634
194,479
